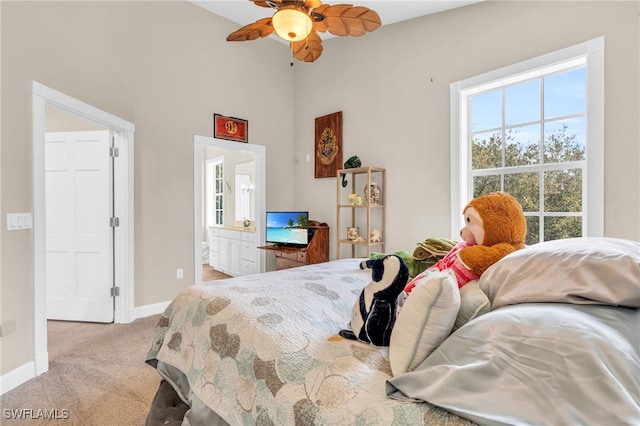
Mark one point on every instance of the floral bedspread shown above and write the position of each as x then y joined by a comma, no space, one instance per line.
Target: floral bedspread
265,349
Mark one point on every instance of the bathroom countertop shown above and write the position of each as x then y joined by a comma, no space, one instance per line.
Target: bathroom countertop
236,228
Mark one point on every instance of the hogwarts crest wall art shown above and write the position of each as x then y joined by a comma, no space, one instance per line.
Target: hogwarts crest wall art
328,145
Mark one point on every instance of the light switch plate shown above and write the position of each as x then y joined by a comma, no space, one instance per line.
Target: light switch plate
18,221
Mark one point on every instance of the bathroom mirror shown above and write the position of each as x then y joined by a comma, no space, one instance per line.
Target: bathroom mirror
244,190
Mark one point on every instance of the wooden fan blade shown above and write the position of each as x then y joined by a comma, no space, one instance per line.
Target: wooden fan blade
260,28
346,19
312,4
262,3
309,49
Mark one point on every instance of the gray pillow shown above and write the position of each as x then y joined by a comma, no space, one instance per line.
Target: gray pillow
576,270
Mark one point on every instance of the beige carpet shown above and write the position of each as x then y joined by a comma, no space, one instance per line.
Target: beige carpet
97,376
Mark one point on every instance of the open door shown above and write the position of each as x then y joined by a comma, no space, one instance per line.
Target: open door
78,205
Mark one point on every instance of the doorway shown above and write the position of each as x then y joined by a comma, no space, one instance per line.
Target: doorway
200,146
121,243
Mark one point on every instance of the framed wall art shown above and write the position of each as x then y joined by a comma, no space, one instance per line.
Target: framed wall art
328,145
230,128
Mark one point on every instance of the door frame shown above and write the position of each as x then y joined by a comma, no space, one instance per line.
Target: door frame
201,142
123,243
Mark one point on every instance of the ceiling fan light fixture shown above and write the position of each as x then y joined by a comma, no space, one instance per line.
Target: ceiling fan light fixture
292,23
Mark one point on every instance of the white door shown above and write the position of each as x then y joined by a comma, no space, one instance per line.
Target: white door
78,205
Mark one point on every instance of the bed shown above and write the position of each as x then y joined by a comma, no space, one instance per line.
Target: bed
560,345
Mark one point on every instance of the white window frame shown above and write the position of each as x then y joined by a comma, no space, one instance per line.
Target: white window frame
592,52
210,191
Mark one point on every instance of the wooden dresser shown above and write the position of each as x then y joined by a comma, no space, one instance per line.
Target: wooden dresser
316,252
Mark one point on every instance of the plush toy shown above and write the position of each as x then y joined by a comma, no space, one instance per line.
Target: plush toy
436,300
425,255
433,249
374,313
415,267
494,227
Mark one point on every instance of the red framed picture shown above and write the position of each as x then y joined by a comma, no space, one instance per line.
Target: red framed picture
230,128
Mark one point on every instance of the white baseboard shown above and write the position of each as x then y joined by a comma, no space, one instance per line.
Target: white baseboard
16,377
148,310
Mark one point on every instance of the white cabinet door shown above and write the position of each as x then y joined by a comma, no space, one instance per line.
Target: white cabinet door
214,248
234,259
234,251
248,267
223,255
248,253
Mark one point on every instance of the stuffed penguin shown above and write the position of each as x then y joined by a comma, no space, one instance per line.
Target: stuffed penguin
374,313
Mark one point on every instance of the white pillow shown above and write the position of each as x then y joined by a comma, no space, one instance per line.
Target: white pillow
425,320
473,303
575,270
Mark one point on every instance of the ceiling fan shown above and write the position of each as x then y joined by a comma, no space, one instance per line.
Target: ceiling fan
297,21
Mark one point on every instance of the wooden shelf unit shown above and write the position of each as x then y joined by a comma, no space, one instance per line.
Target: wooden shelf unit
361,216
316,252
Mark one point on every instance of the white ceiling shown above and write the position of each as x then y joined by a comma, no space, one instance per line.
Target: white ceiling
244,12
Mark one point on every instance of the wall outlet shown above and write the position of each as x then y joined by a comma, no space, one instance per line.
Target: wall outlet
179,273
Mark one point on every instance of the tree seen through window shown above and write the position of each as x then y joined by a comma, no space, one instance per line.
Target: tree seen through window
529,139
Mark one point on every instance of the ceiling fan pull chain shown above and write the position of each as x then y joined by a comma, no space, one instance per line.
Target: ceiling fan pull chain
291,50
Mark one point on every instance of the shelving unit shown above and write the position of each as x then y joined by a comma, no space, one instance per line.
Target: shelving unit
366,216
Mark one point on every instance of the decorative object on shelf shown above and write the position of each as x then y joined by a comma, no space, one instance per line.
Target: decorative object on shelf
358,201
351,163
298,21
247,223
353,232
375,236
352,198
328,145
230,128
373,196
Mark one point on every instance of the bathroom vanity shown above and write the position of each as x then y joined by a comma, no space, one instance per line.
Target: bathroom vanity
232,250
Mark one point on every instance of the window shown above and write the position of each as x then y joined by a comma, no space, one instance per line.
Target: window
214,190
535,130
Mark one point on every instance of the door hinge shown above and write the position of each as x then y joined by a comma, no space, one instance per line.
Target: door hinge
114,151
114,222
115,291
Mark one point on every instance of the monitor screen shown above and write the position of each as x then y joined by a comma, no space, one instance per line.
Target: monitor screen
288,228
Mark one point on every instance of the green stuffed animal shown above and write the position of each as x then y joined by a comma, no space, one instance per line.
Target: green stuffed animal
433,248
425,255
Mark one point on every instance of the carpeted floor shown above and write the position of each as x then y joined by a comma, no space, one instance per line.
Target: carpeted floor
97,376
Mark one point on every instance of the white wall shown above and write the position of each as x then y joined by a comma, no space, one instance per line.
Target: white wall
393,88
